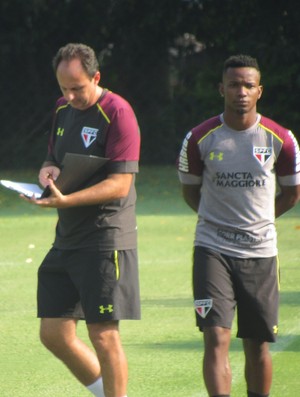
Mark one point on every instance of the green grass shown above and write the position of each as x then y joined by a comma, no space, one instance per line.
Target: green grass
164,350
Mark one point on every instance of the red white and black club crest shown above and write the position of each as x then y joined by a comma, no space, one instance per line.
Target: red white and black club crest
262,154
89,135
203,306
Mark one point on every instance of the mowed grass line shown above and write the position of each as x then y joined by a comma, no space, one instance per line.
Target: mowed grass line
164,350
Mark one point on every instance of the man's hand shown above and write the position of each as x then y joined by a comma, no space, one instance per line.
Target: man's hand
191,195
288,197
55,200
115,186
49,172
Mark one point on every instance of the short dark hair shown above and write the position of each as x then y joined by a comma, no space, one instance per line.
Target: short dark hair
84,53
240,61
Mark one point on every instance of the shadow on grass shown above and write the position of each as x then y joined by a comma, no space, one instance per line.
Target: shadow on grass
289,342
291,298
195,343
285,342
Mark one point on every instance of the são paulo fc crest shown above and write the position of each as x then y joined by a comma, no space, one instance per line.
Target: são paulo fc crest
203,306
262,154
89,135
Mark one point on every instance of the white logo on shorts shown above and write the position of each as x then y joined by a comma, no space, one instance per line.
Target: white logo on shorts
203,306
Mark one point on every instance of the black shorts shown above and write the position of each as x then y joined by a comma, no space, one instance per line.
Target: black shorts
222,283
91,285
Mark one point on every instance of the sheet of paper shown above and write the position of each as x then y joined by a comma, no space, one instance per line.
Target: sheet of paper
28,189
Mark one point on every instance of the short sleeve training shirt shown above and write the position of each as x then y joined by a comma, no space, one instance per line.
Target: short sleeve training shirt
107,129
237,171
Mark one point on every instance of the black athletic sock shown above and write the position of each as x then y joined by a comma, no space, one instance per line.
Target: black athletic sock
251,394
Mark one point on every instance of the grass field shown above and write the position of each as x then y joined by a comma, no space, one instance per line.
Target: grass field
164,350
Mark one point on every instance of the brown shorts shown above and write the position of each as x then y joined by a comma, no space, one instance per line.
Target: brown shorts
93,285
222,283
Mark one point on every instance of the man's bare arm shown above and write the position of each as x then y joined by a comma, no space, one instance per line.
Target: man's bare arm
115,186
286,199
191,195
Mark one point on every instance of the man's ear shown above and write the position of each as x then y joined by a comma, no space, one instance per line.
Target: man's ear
260,91
221,89
97,77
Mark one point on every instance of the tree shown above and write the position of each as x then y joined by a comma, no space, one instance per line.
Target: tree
164,56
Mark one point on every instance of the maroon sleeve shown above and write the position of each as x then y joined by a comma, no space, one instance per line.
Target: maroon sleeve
288,162
123,139
189,160
122,146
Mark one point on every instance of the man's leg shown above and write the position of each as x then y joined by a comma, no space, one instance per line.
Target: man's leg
59,336
258,368
107,343
216,367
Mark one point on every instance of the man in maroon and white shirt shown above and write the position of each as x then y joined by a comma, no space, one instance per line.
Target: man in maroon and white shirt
229,167
91,271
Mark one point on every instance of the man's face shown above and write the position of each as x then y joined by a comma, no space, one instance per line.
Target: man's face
241,89
79,89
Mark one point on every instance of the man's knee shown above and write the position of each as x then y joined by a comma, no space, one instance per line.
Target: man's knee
217,337
104,336
256,351
56,336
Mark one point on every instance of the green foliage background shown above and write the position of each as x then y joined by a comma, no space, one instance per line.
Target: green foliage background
164,56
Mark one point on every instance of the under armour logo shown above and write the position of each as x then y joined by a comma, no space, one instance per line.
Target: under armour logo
218,156
60,131
108,308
